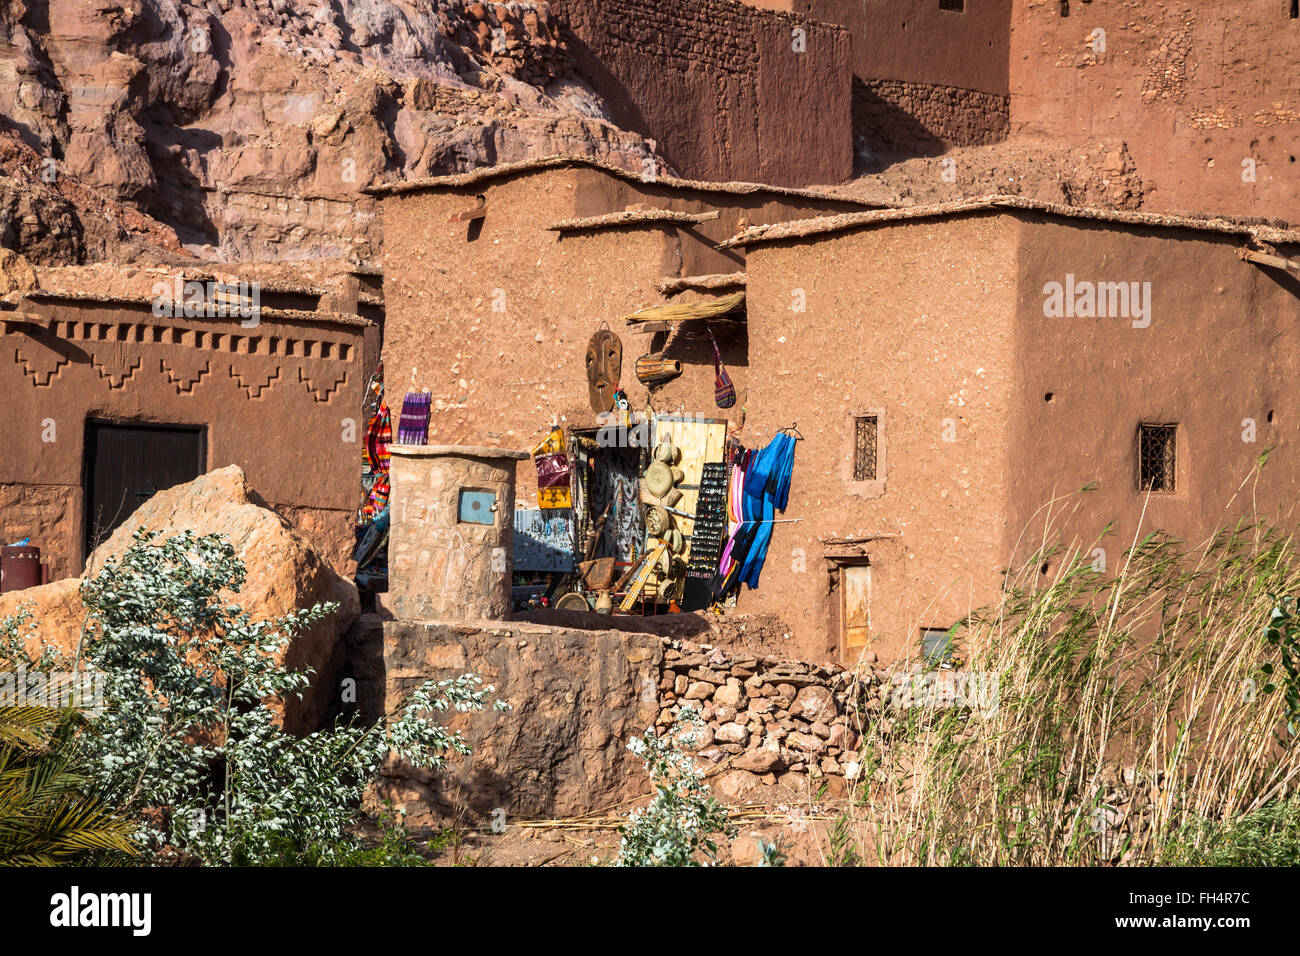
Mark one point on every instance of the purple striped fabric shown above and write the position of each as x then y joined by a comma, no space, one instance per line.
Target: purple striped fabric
413,428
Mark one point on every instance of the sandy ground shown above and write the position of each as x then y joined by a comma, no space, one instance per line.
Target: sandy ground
799,824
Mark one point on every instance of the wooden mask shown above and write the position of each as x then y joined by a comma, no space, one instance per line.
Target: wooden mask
604,367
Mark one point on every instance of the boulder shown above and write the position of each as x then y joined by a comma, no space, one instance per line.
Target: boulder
285,573
55,608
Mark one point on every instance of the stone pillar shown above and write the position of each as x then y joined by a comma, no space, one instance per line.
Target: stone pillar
449,546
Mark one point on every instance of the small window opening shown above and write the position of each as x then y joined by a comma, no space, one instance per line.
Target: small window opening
1270,416
864,447
1157,462
1048,396
958,6
1065,8
936,645
1295,9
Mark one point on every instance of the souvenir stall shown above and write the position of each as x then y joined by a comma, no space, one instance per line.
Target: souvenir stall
648,513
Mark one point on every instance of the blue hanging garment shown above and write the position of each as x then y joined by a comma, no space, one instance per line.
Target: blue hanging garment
767,491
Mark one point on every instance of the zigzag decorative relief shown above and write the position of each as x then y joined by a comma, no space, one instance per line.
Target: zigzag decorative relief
252,389
184,381
318,394
42,371
114,354
118,377
240,340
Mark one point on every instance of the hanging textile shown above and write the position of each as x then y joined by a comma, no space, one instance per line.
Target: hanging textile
760,490
724,393
375,462
413,427
615,484
553,472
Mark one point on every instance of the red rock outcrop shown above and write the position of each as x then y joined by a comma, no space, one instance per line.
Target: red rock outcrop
245,129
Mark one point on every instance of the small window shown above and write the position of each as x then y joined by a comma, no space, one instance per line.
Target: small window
1065,8
477,507
959,6
936,645
1295,9
865,447
1157,457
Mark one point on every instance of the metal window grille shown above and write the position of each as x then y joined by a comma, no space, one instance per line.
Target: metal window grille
864,448
1157,462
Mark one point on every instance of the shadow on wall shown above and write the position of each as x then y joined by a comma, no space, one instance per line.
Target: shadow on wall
690,344
885,133
623,112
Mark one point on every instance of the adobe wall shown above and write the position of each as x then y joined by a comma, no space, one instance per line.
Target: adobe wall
923,78
719,86
1194,89
273,398
1220,349
578,696
499,378
912,320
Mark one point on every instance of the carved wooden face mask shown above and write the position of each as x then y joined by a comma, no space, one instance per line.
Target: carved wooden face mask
604,367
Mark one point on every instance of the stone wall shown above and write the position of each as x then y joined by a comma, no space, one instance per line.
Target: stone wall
442,567
721,87
898,118
577,697
765,715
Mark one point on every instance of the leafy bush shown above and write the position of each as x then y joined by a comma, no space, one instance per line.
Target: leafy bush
679,823
1268,837
189,744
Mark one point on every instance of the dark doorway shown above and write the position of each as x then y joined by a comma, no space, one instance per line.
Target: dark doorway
128,462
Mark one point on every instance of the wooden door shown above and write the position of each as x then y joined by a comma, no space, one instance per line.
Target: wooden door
127,463
855,612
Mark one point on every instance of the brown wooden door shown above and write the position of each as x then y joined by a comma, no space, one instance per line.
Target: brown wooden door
127,463
855,613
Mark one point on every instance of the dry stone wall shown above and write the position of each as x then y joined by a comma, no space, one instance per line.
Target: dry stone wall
765,715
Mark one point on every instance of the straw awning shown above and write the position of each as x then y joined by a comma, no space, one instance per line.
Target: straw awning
721,308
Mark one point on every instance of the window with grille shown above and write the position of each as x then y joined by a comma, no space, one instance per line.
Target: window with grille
1157,461
864,447
958,5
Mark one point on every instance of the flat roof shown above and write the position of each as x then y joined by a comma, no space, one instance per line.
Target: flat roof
795,229
485,174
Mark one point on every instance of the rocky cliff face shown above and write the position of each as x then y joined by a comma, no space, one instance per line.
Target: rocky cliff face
245,129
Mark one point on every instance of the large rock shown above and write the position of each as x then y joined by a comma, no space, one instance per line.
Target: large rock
285,573
576,699
296,107
55,608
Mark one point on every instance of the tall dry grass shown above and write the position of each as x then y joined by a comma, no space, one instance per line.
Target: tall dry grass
1133,708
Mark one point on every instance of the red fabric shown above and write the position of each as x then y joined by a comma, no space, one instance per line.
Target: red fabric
552,471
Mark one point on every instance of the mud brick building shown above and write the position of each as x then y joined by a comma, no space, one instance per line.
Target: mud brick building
727,91
107,402
927,74
491,313
944,389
